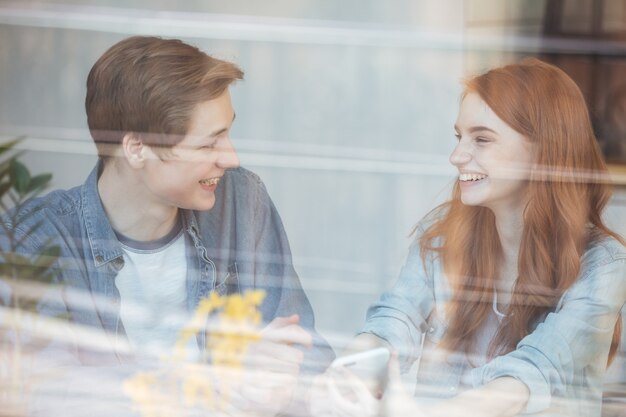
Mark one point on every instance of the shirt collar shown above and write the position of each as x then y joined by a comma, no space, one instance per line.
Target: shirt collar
104,245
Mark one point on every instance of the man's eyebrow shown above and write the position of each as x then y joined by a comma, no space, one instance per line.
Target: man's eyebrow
475,129
219,132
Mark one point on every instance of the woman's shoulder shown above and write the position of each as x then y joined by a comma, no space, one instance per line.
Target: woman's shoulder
426,250
602,272
601,250
430,219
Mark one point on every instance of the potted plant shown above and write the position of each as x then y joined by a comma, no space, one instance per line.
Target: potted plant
22,278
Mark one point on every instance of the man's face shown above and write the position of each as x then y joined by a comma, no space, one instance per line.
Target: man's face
187,176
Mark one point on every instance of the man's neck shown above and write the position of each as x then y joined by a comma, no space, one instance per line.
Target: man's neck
130,207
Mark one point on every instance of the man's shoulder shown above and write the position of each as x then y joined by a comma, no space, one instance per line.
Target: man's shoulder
241,177
57,209
60,202
241,184
241,196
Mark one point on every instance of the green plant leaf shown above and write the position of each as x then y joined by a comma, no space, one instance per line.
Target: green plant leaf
39,182
62,316
28,272
16,185
4,168
47,278
4,187
20,260
47,257
48,242
22,267
20,177
23,217
32,229
5,165
29,305
10,144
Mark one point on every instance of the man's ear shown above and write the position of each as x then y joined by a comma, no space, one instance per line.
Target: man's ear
134,150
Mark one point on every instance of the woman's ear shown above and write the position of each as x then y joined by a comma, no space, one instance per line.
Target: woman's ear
134,150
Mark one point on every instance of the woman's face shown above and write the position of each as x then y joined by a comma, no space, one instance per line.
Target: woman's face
493,159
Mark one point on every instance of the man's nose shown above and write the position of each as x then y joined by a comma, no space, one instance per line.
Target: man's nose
228,156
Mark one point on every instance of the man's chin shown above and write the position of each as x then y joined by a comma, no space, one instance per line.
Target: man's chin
205,205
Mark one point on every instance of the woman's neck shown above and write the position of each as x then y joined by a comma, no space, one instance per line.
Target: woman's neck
510,225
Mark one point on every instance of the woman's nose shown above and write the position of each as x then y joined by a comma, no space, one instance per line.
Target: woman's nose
460,155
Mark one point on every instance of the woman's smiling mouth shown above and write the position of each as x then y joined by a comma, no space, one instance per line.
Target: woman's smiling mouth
471,177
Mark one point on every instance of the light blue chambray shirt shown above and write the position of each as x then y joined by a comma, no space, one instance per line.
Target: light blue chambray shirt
239,244
563,360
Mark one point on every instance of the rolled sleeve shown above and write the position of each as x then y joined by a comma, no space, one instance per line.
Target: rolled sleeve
399,317
566,354
529,373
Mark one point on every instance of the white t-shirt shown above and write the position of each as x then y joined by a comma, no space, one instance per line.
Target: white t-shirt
153,293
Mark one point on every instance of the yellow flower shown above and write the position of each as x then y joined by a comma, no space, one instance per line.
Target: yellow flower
197,389
232,330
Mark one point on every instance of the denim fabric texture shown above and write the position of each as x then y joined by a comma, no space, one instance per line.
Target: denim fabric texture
239,244
562,361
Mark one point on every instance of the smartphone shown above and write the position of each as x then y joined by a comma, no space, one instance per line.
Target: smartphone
369,365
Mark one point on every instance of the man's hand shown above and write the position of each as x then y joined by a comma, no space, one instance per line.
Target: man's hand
272,366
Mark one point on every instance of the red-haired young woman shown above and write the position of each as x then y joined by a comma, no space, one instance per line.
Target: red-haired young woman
511,293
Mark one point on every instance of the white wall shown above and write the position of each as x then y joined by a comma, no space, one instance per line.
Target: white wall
346,113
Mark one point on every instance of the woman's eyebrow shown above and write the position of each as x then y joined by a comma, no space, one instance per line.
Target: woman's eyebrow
475,129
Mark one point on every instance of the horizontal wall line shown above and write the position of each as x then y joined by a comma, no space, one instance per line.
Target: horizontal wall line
222,26
287,30
432,165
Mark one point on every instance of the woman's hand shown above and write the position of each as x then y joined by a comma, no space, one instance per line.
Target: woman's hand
397,401
501,397
340,393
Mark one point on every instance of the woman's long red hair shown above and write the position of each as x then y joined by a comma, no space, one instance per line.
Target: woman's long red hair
567,193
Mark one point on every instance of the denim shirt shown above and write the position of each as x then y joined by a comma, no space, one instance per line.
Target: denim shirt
239,244
562,361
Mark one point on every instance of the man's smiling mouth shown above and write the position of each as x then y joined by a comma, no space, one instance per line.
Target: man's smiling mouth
210,181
